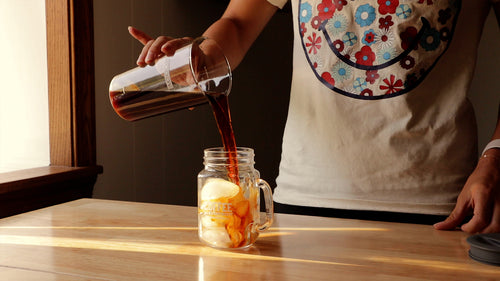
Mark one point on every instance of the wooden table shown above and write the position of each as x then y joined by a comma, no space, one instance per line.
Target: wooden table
92,239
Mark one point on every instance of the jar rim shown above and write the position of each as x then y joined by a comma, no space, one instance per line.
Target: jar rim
223,150
218,155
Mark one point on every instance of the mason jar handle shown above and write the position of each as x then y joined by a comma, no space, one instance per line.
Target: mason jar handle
268,199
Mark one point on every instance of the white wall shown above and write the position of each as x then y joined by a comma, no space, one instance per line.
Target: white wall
157,160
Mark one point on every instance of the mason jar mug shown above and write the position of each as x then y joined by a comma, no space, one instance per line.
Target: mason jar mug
229,205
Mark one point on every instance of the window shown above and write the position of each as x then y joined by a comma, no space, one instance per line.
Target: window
72,171
24,121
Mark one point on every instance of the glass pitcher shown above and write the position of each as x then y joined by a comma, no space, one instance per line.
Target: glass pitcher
173,82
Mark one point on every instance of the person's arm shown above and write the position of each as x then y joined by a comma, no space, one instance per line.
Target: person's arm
240,25
480,196
481,193
235,31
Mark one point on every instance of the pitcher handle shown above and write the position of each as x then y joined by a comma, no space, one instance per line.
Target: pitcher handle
268,199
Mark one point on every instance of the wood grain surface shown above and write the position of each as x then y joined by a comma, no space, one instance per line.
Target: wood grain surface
90,239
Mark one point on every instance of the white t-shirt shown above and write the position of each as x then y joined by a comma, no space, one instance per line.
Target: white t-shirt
378,116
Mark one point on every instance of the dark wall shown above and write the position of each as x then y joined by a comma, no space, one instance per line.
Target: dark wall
158,159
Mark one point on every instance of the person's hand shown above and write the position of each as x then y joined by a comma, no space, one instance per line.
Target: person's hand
480,196
156,48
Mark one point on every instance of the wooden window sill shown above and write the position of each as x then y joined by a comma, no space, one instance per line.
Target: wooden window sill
71,86
30,189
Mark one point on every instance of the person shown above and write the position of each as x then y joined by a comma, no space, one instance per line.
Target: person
379,124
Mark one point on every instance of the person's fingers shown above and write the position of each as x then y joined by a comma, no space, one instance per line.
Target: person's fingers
171,46
141,60
494,226
139,35
482,214
154,51
455,218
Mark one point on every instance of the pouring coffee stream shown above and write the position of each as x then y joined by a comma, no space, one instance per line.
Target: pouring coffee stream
196,74
220,108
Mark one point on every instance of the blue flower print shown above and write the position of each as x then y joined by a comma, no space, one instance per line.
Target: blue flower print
359,84
350,39
305,12
374,49
337,24
386,54
365,15
430,40
341,71
403,11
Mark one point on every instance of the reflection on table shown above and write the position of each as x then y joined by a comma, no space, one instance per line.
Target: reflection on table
113,240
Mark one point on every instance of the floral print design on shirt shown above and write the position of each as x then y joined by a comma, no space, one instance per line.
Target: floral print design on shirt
374,49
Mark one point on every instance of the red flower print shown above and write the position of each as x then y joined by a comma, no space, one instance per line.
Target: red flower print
303,28
444,34
339,4
328,78
369,38
407,63
387,6
429,2
411,80
385,23
339,45
444,15
367,93
391,86
326,9
314,43
366,56
371,76
316,22
408,36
